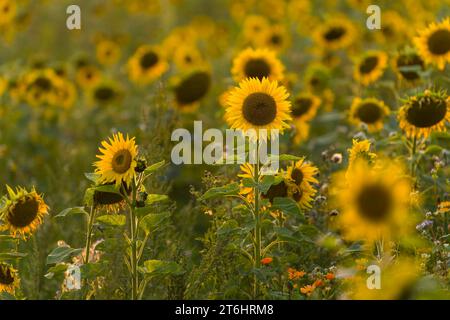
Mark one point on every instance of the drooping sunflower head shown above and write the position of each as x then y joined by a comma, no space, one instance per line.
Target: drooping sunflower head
370,67
117,161
373,201
108,52
257,63
258,104
408,64
23,212
109,201
277,190
336,33
190,88
9,279
433,43
368,111
146,65
304,106
424,113
360,151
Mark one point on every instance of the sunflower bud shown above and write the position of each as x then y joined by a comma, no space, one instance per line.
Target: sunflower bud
140,166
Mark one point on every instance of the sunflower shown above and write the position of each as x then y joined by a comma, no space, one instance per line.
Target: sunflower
87,76
317,77
258,104
187,56
109,201
8,11
117,161
22,212
368,111
191,88
38,87
257,63
105,93
275,38
282,189
302,129
254,27
247,172
108,52
304,106
65,93
9,279
433,43
370,67
301,175
335,33
146,65
408,64
424,113
360,151
373,201
394,29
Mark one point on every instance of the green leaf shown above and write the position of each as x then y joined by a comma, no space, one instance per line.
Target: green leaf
61,254
230,226
92,176
229,189
159,267
151,221
116,220
153,198
152,168
287,206
268,181
111,188
284,157
88,198
56,270
433,149
12,255
70,211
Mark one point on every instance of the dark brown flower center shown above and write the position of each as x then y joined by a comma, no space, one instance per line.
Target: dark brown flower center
148,60
278,190
369,112
426,112
276,39
6,276
121,161
410,61
43,83
257,68
23,212
439,42
368,64
297,176
193,88
301,106
104,94
334,33
374,203
259,109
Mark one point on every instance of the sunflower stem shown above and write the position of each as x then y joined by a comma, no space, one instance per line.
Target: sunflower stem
413,153
133,235
89,235
257,260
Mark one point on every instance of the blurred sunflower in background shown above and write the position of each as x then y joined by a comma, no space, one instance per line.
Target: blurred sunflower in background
87,75
146,65
305,106
335,33
23,211
257,63
276,38
433,43
8,10
189,89
368,111
370,67
104,93
108,52
9,279
117,161
425,113
254,28
258,104
360,151
374,201
408,65
187,56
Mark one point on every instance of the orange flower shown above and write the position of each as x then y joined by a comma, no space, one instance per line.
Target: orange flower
307,289
329,276
317,283
294,274
266,261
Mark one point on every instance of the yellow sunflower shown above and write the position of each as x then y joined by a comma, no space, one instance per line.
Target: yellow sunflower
187,56
373,201
360,151
408,64
9,279
258,104
368,111
395,30
38,87
109,201
22,212
146,65
257,63
254,27
65,93
335,33
433,43
190,88
425,113
275,38
8,11
108,52
105,93
247,172
301,177
370,67
305,106
117,161
87,76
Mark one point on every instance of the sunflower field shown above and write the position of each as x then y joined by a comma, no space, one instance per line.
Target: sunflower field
96,96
